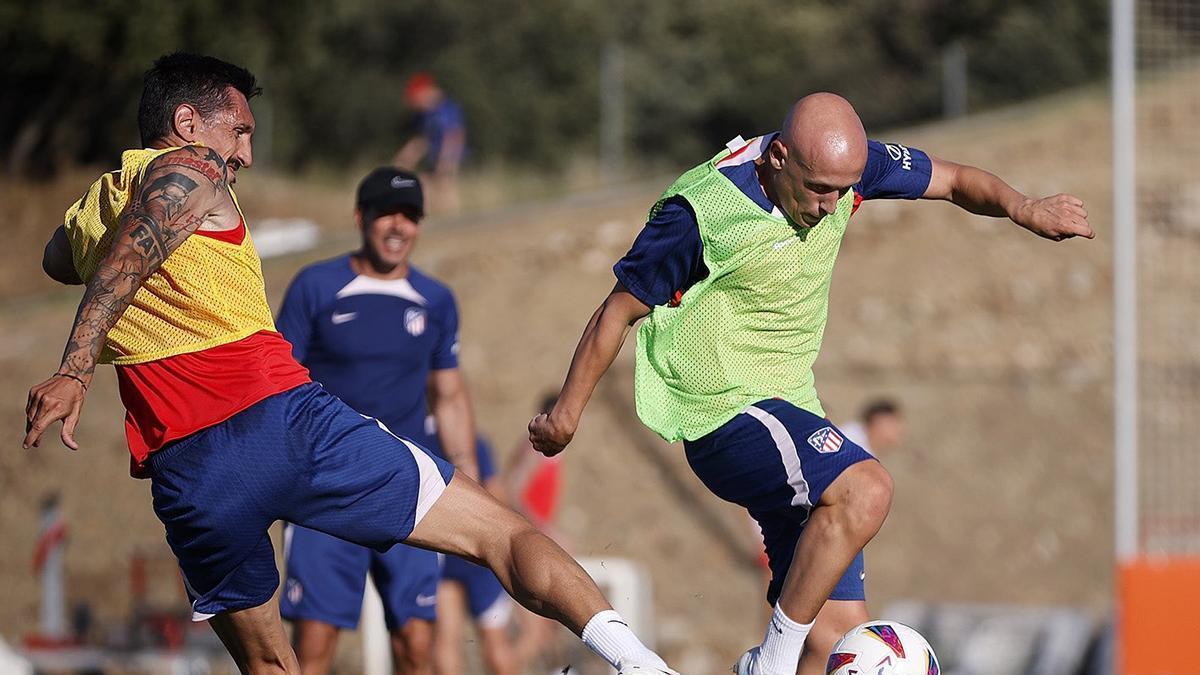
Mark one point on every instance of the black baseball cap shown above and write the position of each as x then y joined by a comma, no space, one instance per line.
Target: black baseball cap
388,189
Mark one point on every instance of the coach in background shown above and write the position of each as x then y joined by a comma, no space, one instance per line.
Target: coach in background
378,333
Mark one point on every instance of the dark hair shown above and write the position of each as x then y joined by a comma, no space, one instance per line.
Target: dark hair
548,400
880,406
202,81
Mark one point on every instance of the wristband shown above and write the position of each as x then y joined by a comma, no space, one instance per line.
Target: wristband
73,377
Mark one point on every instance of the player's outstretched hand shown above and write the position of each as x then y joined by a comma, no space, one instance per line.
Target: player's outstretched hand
548,436
58,398
1056,218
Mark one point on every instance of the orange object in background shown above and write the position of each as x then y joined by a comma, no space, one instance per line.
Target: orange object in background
1159,600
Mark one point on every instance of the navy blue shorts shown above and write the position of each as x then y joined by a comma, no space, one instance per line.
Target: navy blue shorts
776,460
490,606
302,456
326,577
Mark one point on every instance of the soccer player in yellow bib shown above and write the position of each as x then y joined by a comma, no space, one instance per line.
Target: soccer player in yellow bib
731,274
222,419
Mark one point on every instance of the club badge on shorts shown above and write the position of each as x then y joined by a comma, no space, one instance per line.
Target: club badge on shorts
294,591
826,440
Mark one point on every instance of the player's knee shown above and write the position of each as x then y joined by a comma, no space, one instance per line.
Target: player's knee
414,649
508,531
315,644
871,497
485,531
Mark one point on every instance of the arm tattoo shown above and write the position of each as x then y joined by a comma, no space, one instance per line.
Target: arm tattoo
180,188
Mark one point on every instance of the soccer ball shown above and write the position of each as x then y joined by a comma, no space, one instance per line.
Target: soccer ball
882,648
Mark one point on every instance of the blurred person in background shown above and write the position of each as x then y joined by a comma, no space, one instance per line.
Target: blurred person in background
733,271
469,592
222,419
879,428
438,149
535,484
381,335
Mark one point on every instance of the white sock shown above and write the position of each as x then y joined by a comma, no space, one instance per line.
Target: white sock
779,653
609,636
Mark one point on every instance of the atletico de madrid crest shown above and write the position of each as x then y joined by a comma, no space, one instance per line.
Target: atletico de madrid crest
414,321
826,440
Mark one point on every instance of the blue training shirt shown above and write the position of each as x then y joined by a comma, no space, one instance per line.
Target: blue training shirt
372,342
667,257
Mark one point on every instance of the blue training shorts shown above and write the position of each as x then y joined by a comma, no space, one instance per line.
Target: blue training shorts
302,456
489,604
326,577
776,460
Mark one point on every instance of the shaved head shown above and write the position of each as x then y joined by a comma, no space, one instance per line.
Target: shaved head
826,134
820,153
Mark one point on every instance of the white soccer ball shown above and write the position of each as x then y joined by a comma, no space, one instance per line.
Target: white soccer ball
882,648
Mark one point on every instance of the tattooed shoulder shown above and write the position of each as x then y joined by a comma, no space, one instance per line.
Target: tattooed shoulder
179,190
204,161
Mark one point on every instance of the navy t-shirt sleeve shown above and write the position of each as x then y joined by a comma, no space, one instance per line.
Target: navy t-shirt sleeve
894,171
445,352
296,316
666,257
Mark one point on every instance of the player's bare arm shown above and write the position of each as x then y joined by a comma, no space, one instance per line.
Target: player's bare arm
602,339
451,406
181,191
57,261
1058,217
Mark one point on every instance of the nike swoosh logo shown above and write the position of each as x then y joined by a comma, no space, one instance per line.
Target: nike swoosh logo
338,318
780,244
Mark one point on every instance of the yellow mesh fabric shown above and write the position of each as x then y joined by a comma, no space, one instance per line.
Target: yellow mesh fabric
207,293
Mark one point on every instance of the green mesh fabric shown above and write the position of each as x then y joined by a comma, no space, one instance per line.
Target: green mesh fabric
752,329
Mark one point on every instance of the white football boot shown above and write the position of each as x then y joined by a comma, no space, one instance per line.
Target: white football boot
744,663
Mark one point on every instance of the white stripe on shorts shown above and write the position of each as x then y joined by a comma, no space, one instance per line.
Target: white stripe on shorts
194,597
497,615
787,452
431,485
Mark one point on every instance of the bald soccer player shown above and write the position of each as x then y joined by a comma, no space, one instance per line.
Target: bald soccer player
732,274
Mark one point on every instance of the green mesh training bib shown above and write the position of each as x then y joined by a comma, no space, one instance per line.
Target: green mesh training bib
749,331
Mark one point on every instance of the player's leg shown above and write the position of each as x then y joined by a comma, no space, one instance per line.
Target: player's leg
804,577
256,640
499,658
796,473
400,492
795,631
535,637
467,521
491,611
322,593
833,621
315,643
849,514
451,628
412,648
407,579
